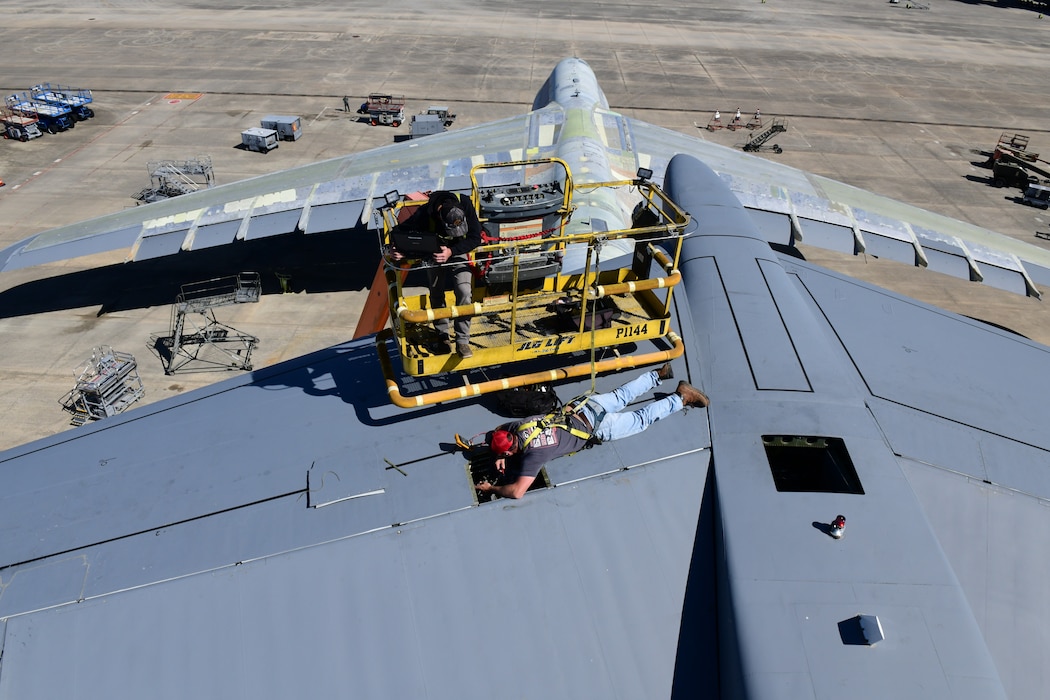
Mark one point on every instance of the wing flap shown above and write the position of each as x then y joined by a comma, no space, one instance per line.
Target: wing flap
273,224
159,244
212,235
323,218
830,236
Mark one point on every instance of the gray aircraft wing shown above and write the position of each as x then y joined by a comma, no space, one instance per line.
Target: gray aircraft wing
332,195
292,533
792,206
957,406
788,205
922,428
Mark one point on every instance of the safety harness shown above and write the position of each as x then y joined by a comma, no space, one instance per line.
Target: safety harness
561,419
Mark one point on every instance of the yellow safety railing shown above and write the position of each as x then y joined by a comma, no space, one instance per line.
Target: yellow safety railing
513,311
469,389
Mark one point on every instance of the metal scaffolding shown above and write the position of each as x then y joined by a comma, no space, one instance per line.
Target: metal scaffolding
171,178
107,385
199,338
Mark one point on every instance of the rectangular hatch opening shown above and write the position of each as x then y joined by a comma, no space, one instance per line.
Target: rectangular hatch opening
811,464
481,466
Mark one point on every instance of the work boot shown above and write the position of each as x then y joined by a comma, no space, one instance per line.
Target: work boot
691,396
440,347
665,372
463,349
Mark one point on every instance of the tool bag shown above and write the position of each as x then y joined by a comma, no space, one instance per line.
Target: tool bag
523,401
598,314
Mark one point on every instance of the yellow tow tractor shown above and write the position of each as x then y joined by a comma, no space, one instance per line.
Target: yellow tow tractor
541,288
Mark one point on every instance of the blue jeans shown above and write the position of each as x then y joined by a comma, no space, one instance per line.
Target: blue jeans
615,425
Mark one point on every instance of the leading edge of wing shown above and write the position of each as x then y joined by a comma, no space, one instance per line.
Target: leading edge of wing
331,195
825,213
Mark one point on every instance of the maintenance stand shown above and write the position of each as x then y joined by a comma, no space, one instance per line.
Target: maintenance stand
197,338
52,118
171,178
107,385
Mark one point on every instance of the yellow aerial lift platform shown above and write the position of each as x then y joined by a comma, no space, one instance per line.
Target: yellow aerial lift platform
540,288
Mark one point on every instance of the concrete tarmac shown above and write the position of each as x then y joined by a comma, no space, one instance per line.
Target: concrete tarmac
901,101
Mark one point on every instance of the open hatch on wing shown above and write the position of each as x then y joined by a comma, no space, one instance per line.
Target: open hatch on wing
541,288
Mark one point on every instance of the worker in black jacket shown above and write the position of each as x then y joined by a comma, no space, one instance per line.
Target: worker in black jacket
451,217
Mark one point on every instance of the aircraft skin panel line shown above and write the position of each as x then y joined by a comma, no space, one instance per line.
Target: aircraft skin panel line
923,378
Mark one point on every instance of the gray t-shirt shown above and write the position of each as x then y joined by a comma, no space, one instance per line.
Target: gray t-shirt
550,443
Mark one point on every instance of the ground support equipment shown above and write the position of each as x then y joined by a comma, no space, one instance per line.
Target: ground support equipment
107,385
52,118
76,99
17,127
171,178
197,339
1013,165
756,141
388,110
525,309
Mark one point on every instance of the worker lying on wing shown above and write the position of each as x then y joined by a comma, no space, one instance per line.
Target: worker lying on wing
523,448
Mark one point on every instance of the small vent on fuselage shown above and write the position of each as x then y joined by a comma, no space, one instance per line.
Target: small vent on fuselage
811,464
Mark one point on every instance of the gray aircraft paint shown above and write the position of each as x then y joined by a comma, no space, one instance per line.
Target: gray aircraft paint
276,553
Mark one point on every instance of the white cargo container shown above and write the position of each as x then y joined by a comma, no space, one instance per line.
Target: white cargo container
287,128
258,139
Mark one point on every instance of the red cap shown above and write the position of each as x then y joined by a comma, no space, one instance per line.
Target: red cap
502,442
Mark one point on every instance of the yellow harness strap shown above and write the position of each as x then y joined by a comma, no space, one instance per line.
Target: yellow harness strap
551,420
